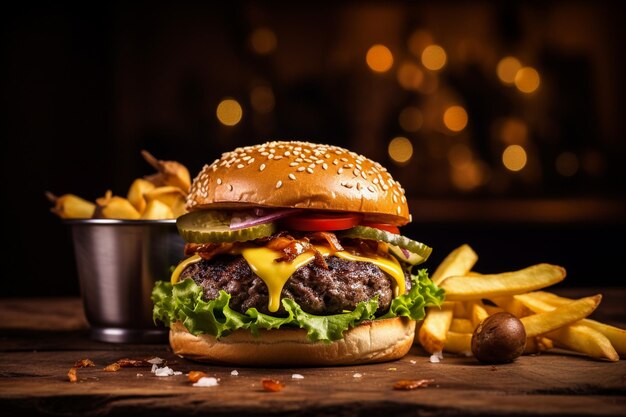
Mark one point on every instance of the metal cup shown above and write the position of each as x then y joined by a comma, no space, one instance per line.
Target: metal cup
118,263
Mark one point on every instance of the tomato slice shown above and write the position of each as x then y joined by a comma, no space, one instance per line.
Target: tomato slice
319,222
383,226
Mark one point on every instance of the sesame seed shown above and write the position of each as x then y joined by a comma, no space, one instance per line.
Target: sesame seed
335,162
264,153
325,166
309,170
348,185
298,159
312,166
245,158
338,152
251,160
230,187
278,157
319,161
395,199
270,156
262,167
385,187
219,181
403,199
399,210
272,150
280,184
307,160
300,169
214,168
344,159
294,164
291,176
287,153
369,187
240,166
355,172
358,186
340,171
327,156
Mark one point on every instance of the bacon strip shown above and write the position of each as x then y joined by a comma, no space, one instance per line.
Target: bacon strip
208,250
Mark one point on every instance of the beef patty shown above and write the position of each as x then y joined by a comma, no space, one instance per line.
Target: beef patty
317,290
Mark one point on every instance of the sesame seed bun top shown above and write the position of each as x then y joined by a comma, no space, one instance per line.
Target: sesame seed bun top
300,175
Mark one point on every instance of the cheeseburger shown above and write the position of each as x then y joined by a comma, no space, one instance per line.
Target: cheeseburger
295,257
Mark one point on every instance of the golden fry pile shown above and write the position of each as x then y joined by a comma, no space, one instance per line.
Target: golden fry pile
549,320
159,196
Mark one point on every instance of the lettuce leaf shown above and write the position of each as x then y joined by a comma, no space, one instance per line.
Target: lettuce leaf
183,302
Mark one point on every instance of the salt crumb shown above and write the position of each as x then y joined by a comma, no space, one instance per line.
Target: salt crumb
467,354
413,362
357,375
297,376
392,369
154,368
155,361
234,372
206,381
165,371
138,375
436,357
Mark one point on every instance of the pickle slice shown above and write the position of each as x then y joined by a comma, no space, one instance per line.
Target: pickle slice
212,226
413,259
363,232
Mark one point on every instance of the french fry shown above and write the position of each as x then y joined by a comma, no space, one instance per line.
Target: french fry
170,173
459,262
157,210
69,206
171,196
542,323
512,305
537,345
541,302
461,288
433,333
114,207
461,309
136,192
581,338
461,326
479,313
459,343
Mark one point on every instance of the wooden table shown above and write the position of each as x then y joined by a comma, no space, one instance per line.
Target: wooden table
41,339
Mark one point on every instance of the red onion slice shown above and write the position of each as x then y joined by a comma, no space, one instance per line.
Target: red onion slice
406,253
249,219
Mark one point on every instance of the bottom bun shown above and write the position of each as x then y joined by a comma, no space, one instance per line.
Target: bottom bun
369,342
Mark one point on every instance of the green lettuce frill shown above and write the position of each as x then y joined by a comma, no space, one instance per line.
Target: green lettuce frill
183,302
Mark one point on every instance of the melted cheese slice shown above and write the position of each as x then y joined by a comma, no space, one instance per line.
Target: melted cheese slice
275,274
182,265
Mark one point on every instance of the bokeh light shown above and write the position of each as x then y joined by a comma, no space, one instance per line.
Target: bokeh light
434,57
400,150
455,118
263,41
410,76
567,164
262,99
470,175
514,158
419,40
411,119
527,80
514,132
229,112
379,58
507,69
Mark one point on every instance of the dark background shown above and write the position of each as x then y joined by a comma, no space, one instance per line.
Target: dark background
86,85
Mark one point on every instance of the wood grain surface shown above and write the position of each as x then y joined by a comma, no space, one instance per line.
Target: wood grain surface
36,355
